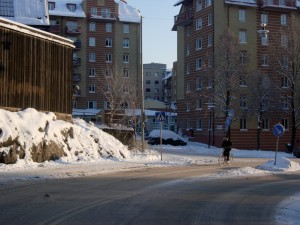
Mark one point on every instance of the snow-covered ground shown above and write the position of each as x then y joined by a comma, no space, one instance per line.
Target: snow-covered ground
25,124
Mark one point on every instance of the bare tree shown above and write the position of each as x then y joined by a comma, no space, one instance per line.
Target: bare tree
227,74
261,99
287,54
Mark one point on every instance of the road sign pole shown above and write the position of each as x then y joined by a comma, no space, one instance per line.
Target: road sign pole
160,123
276,151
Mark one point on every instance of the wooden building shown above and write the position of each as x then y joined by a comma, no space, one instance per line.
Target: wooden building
35,69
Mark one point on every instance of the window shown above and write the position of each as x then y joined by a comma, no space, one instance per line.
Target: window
156,90
148,81
125,89
265,40
285,102
93,11
126,73
108,27
72,26
155,74
207,3
209,19
199,124
198,83
148,74
198,43
188,86
285,82
265,104
187,107
92,72
243,36
285,61
107,87
264,18
126,43
243,57
198,5
92,88
108,57
283,19
126,58
242,15
126,28
187,68
265,60
51,5
243,102
243,123
92,42
198,64
209,82
243,80
71,7
188,124
105,13
265,124
284,40
108,42
92,105
198,104
282,2
92,57
199,23
209,62
156,82
148,90
187,50
209,40
92,26
107,105
285,123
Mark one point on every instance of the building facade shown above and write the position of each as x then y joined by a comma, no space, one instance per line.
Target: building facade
106,34
199,26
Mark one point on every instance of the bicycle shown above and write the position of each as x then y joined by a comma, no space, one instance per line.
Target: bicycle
222,159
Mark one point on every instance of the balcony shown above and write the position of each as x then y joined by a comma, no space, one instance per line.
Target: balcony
76,77
76,61
278,5
77,45
106,16
183,19
55,29
73,30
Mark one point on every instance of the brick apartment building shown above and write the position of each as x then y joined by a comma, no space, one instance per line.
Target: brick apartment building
199,26
106,34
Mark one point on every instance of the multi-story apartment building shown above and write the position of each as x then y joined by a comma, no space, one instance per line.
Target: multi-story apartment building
107,37
199,26
154,74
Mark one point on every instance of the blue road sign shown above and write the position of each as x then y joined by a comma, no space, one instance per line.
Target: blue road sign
160,116
278,130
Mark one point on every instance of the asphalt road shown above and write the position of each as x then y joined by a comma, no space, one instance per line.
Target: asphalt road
149,196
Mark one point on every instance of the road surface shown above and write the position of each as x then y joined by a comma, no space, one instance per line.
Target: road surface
148,196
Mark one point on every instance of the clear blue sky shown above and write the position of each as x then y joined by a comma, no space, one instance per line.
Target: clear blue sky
159,41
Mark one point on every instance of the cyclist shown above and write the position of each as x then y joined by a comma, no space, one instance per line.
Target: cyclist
226,145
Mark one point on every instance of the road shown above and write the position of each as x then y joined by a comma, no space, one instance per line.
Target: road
149,196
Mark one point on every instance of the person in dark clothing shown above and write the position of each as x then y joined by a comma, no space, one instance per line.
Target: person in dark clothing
226,145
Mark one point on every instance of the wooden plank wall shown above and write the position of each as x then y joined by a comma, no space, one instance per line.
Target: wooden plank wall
34,72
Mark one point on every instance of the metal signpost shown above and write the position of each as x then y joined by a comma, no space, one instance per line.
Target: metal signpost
278,131
160,116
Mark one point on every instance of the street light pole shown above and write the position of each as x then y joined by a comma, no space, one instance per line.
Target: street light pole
142,85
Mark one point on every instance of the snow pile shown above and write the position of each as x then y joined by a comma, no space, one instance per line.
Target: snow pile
80,141
282,164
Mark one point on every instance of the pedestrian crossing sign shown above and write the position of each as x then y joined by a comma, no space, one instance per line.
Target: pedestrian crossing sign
160,116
